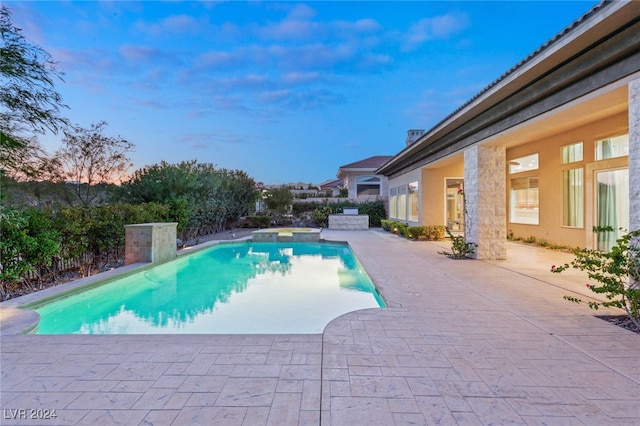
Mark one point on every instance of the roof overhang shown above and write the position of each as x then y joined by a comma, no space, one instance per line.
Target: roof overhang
599,49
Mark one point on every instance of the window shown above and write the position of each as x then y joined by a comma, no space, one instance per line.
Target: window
393,202
413,201
402,202
612,147
573,198
524,201
523,164
572,153
367,185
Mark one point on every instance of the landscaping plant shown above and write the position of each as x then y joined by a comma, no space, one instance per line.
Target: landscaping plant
617,273
460,248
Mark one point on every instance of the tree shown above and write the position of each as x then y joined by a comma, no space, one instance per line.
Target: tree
90,160
209,199
29,103
278,199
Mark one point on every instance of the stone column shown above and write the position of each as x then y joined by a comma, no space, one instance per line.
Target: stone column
485,200
634,155
150,242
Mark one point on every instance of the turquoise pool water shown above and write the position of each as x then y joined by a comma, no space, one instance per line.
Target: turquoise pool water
229,288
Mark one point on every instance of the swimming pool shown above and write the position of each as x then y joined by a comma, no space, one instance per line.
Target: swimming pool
234,288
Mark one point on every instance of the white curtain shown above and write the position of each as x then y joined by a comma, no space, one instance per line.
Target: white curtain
613,205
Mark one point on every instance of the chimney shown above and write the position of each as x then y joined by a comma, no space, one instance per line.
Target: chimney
413,135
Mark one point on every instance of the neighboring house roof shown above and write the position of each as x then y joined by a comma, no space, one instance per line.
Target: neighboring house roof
367,165
331,184
578,60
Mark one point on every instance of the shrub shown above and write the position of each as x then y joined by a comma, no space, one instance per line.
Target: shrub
434,232
616,271
386,224
460,247
396,227
321,215
375,210
28,245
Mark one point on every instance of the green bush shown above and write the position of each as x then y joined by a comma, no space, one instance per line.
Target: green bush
28,245
321,215
375,210
386,224
394,226
616,273
434,232
422,233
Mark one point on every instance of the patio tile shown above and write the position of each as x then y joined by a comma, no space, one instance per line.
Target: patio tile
160,417
105,400
138,371
474,344
43,400
363,411
207,416
203,384
285,409
155,398
242,392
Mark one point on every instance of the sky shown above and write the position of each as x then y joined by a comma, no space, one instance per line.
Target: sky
285,91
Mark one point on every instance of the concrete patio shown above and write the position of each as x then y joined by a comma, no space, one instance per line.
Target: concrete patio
461,342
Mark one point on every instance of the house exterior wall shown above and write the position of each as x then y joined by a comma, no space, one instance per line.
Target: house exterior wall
433,192
350,181
550,226
404,181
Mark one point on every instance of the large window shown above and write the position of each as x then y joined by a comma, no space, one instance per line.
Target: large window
524,201
612,147
393,202
367,185
402,202
573,198
413,201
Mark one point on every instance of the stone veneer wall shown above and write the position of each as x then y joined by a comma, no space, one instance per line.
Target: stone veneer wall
150,242
349,222
485,200
634,155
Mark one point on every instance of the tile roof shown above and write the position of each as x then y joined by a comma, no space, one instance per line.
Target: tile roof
368,163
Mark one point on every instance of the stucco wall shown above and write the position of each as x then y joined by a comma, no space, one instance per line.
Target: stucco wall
433,192
351,181
550,180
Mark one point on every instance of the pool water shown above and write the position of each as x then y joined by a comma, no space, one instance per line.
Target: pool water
230,288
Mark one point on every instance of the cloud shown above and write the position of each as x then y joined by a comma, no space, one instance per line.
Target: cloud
438,27
139,53
296,77
174,24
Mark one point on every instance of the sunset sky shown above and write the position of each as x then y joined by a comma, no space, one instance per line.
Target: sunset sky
286,91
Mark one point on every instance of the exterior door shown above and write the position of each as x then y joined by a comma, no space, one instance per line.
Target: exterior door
454,204
612,205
